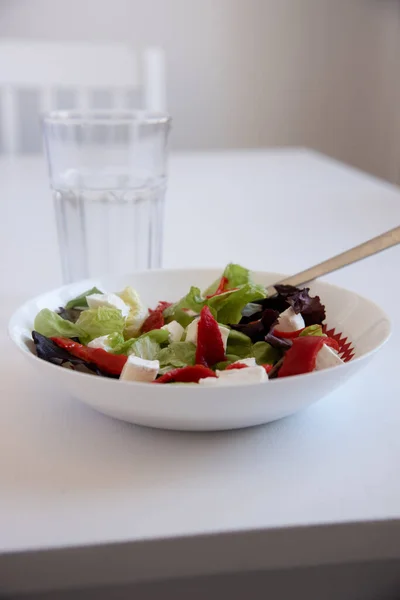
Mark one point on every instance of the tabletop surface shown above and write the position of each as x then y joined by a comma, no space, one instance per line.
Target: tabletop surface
71,477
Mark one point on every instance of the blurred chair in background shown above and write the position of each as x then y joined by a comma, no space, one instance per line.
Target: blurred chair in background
36,77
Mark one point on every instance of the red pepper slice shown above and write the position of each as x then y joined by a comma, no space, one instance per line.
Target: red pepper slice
210,347
155,320
294,334
222,288
107,362
236,366
287,334
302,356
186,375
162,305
239,365
332,343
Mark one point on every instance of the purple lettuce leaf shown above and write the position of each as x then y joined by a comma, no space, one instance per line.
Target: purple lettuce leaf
251,312
277,302
69,314
48,350
273,374
254,330
257,330
310,307
278,342
260,317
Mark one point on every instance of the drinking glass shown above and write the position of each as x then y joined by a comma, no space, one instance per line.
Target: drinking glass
108,175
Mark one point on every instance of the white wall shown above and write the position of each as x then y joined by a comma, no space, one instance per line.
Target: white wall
246,73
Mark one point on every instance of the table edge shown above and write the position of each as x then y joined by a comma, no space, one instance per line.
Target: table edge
118,563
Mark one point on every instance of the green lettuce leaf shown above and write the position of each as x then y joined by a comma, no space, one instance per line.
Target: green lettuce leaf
265,354
193,300
50,324
177,354
239,345
226,307
130,296
172,313
80,301
145,346
137,313
114,340
313,330
96,322
236,276
161,336
229,305
169,312
221,366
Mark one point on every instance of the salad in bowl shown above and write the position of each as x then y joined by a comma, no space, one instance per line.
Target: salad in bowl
230,333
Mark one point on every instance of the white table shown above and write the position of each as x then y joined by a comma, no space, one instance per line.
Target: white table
88,500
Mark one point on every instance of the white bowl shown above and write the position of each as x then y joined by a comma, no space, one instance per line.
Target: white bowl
197,407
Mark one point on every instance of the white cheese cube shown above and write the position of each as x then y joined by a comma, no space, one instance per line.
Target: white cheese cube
326,358
211,381
290,321
139,369
249,375
175,331
191,332
108,300
100,342
235,376
249,362
224,331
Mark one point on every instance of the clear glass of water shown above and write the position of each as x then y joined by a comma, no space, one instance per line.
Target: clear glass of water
108,175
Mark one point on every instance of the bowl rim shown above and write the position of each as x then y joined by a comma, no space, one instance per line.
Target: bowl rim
105,116
181,389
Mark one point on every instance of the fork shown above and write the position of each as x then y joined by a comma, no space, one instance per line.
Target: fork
373,246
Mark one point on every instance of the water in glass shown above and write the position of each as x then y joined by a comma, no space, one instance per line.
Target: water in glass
113,228
108,175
